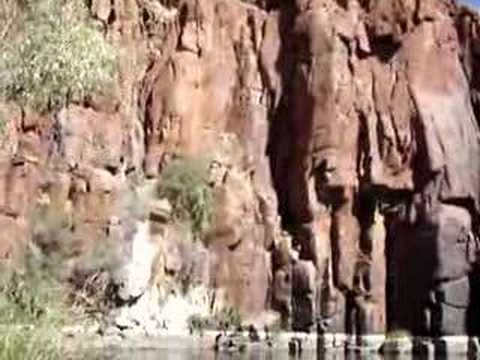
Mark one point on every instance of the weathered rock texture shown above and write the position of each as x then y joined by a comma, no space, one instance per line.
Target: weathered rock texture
375,115
355,122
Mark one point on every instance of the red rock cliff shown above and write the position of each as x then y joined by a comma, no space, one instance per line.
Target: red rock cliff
351,124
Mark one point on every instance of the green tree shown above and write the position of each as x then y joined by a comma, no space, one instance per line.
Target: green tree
59,57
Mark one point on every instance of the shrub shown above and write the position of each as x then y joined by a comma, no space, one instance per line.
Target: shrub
40,343
184,183
197,324
32,309
60,57
92,295
228,318
32,294
398,334
84,276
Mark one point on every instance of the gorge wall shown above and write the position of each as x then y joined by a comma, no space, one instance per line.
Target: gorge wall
346,156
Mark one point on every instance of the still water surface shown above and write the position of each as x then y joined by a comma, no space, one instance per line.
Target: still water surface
257,354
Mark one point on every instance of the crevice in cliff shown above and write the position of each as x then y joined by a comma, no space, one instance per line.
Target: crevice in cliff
280,141
384,48
364,160
112,17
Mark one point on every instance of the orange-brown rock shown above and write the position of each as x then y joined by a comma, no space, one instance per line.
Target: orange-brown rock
351,124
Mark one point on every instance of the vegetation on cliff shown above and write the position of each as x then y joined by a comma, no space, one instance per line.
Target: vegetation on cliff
36,303
32,309
57,57
51,54
184,183
225,319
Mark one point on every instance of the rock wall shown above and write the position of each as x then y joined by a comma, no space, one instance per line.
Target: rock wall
344,135
374,127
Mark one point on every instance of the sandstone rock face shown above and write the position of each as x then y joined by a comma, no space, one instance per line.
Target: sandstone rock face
377,115
345,158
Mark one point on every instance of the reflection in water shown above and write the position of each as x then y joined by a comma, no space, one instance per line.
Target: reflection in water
259,354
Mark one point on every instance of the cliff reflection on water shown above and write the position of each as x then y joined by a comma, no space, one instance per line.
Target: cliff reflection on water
265,354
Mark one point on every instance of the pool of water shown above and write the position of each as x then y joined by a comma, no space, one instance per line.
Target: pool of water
256,354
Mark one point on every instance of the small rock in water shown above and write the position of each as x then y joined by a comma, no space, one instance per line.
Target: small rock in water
253,334
230,343
295,346
423,347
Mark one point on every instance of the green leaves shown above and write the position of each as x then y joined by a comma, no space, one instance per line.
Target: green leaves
32,309
31,296
60,57
185,184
